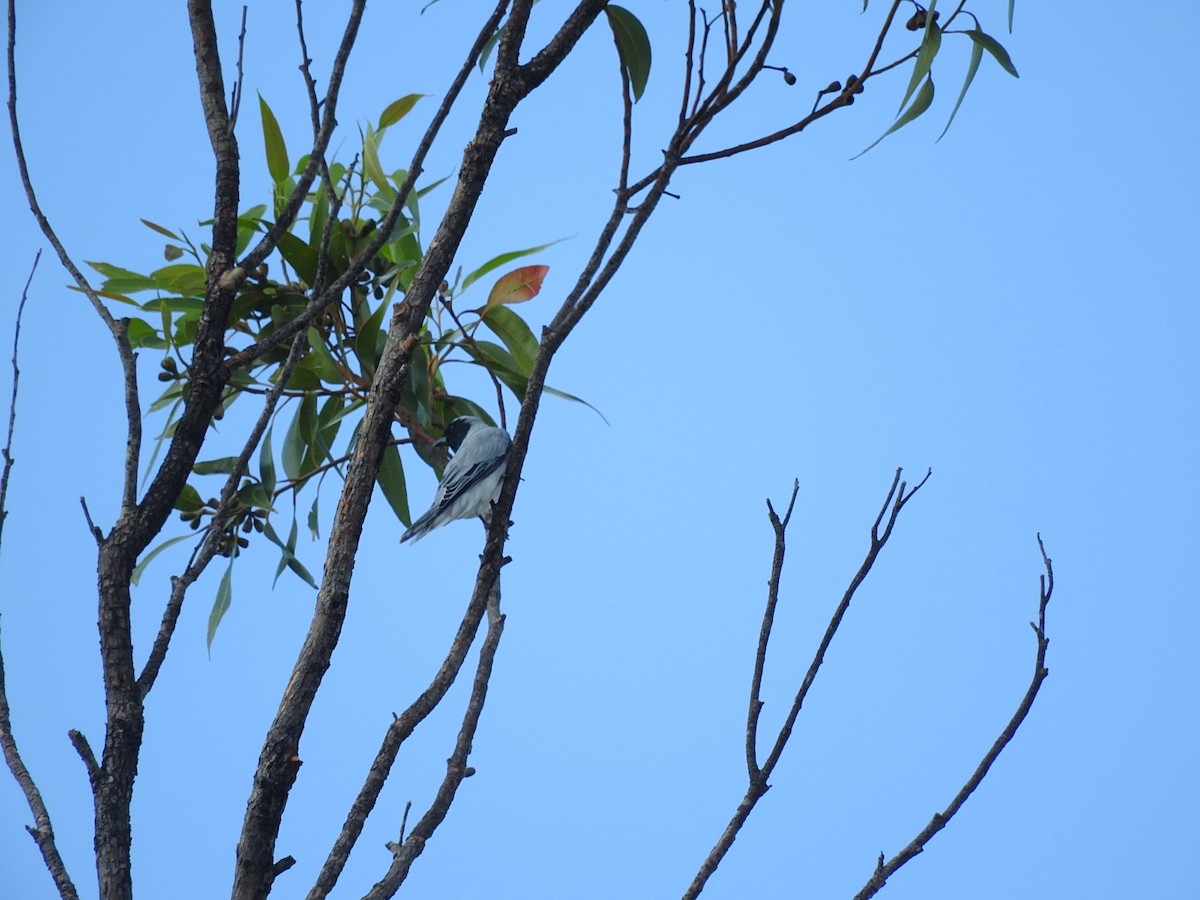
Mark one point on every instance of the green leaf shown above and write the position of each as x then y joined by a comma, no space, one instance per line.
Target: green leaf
398,109
565,396
500,363
516,335
919,105
391,482
122,281
500,260
222,603
491,43
277,158
1011,4
633,47
295,443
322,361
189,500
222,466
136,575
163,231
992,46
976,56
287,558
266,465
372,165
314,523
367,343
930,44
186,279
143,334
300,255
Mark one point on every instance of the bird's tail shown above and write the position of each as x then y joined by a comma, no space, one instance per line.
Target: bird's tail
419,528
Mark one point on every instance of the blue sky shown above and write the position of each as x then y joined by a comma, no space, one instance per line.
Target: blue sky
1010,307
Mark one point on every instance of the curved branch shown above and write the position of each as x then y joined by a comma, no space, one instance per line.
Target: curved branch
885,870
42,832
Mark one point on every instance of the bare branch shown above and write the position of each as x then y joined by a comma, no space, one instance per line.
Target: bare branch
118,328
84,749
398,732
897,497
885,870
235,102
456,766
764,634
12,405
42,832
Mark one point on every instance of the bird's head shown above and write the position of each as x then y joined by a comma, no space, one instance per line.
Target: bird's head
456,431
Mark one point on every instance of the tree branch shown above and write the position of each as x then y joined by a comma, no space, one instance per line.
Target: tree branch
212,539
278,762
897,497
456,766
764,634
12,405
885,870
42,832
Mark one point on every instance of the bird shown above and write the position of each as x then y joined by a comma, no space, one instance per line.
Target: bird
471,480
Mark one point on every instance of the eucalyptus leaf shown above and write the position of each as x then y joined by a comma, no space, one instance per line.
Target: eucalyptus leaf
277,159
221,604
633,47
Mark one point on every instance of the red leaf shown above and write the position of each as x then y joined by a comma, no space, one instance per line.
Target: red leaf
517,286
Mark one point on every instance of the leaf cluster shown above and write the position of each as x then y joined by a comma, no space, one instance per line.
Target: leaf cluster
326,389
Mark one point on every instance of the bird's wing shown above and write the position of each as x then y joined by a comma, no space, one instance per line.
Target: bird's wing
478,458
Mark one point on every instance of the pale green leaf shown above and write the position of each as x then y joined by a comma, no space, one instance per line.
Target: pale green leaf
398,109
972,68
930,44
992,46
222,603
277,158
919,105
500,260
136,575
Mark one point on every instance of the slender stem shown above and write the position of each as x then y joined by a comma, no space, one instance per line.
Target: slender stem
12,405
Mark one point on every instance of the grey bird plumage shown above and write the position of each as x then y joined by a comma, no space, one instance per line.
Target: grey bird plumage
472,479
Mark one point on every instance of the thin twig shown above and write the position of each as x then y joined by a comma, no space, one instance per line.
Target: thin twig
42,832
118,328
12,405
884,870
235,103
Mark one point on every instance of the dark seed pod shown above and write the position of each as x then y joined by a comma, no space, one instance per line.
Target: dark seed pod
788,78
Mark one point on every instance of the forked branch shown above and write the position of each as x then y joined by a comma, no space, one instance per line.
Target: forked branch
898,495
